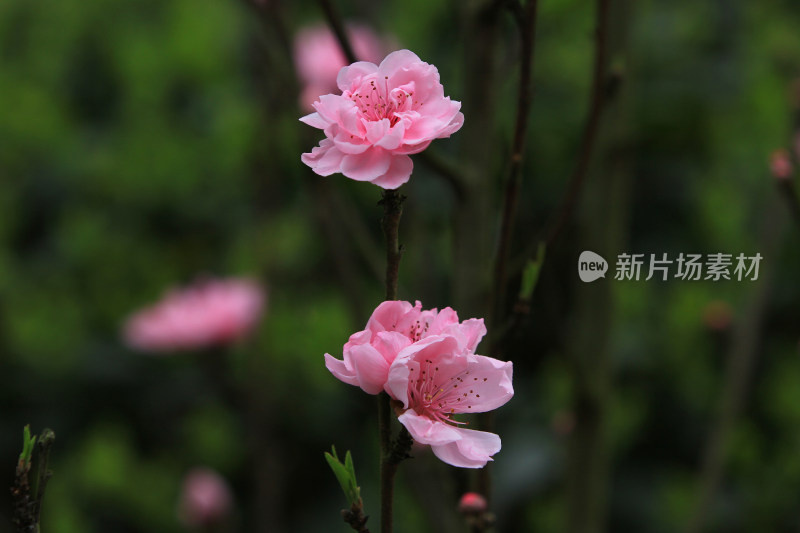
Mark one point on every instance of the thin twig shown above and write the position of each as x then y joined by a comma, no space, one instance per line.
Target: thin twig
524,97
335,22
591,127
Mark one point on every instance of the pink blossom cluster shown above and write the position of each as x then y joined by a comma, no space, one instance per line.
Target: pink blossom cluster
211,312
426,361
384,113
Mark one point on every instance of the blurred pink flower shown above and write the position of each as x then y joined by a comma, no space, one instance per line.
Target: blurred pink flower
437,378
205,499
393,326
384,114
208,313
318,57
780,164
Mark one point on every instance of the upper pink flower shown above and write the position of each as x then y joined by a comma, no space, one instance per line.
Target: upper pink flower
436,379
383,114
318,58
393,326
208,313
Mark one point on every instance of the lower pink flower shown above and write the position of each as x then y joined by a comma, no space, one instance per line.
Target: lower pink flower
436,379
393,326
206,500
209,313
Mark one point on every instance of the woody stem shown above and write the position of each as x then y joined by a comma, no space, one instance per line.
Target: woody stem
392,203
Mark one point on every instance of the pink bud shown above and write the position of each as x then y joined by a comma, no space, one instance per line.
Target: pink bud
472,503
205,499
780,165
717,315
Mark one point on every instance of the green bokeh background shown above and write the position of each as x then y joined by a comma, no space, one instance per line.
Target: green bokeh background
146,144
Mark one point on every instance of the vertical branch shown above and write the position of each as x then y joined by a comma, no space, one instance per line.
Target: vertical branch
392,203
597,102
527,24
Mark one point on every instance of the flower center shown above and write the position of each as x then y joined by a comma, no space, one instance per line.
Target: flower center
376,102
437,398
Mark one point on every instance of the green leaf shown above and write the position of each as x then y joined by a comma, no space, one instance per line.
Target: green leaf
27,445
345,474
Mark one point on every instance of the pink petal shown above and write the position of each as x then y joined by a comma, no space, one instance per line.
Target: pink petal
370,367
387,315
367,166
340,371
393,137
427,431
489,383
315,121
339,110
353,75
395,61
469,332
397,381
324,159
350,144
398,173
389,344
473,450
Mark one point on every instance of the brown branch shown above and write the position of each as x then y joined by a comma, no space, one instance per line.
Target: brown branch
355,517
392,203
524,97
599,90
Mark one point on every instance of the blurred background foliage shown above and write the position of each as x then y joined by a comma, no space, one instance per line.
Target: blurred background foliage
145,144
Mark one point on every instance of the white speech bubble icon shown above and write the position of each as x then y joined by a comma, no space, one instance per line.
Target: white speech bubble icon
591,266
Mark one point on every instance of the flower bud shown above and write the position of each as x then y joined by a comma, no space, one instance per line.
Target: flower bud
472,503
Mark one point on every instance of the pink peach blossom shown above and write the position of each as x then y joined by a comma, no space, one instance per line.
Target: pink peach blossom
318,57
205,499
383,114
208,313
436,379
393,326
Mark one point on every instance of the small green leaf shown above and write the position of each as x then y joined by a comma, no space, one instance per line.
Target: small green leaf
345,474
27,445
530,275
